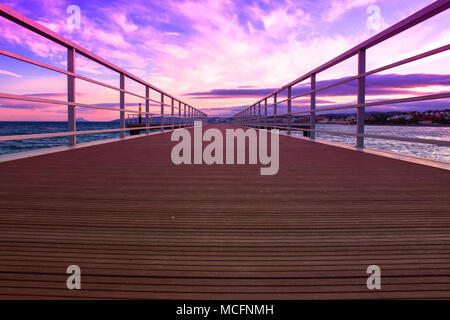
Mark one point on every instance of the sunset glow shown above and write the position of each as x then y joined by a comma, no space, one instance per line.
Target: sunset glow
217,55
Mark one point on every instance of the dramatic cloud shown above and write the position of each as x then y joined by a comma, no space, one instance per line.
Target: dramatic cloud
375,85
248,48
9,73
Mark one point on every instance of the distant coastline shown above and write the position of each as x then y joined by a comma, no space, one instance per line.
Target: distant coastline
343,124
430,118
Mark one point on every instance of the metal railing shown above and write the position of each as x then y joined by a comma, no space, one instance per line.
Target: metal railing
252,115
186,113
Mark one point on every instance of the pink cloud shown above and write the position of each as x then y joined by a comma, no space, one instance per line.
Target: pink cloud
219,50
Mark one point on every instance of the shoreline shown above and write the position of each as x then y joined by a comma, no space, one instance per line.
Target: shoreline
317,123
394,125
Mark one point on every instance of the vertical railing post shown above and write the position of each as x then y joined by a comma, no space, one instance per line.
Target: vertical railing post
265,113
179,113
249,114
162,113
147,109
361,98
275,109
71,95
289,108
259,115
173,114
312,116
184,108
189,114
122,105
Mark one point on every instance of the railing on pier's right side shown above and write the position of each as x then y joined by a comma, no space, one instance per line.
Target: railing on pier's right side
185,113
256,115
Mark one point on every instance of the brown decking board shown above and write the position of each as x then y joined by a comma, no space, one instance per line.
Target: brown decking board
140,227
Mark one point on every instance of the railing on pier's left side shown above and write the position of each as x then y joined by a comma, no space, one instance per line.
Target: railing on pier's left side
186,114
257,115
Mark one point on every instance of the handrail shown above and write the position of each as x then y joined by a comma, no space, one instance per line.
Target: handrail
251,115
189,113
59,70
31,25
67,134
409,22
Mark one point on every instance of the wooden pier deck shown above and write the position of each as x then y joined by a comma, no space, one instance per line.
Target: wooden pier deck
140,227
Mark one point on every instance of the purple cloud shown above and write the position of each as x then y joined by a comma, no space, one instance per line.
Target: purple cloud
375,85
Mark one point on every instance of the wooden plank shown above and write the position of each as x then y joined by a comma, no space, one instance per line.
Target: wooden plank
141,227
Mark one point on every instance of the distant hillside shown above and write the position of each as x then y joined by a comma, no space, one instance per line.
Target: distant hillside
154,120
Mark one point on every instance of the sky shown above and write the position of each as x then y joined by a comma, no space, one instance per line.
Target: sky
218,55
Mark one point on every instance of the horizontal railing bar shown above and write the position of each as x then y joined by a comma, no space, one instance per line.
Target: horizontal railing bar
414,19
444,143
368,73
76,104
59,70
35,27
59,102
75,133
166,115
405,139
367,104
34,62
